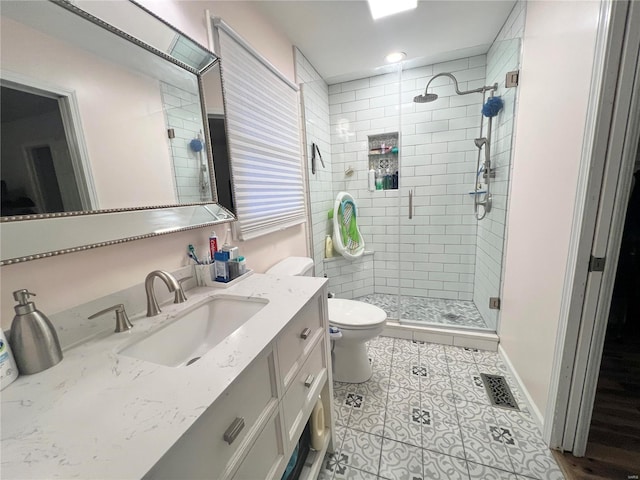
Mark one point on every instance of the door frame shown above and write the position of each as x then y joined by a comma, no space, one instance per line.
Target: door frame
611,140
70,113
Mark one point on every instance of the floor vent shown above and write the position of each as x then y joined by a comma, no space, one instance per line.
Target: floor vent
498,391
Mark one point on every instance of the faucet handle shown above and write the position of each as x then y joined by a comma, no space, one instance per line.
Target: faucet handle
180,296
122,320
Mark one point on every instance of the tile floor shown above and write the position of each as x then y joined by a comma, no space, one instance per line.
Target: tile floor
420,310
425,414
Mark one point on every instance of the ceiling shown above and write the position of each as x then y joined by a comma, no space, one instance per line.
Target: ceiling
343,42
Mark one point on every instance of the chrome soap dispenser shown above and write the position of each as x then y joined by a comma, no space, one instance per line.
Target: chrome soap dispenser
33,339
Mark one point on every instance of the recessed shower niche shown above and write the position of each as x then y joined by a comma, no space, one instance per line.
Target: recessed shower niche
383,161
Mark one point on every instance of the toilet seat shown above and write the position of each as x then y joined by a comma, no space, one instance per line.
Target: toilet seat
354,315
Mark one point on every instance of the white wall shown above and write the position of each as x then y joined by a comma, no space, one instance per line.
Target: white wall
555,78
72,279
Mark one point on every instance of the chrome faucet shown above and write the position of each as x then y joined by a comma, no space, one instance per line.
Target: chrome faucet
172,284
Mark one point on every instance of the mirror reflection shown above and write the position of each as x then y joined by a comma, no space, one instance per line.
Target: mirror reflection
92,121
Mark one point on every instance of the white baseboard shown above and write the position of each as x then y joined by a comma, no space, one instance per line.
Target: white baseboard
533,409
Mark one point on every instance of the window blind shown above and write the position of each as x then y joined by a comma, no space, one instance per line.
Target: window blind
263,133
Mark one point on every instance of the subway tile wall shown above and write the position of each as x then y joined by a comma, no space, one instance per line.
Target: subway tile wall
503,57
350,278
315,95
183,113
433,254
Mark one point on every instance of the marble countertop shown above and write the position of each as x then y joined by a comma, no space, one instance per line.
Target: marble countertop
98,414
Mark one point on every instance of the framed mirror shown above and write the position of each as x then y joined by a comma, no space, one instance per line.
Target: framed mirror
103,120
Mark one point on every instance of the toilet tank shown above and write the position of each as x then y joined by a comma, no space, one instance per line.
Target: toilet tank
293,266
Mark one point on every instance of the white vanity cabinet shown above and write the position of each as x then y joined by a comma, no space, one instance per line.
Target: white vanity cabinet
250,432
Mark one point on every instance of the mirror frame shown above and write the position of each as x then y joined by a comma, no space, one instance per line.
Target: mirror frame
224,215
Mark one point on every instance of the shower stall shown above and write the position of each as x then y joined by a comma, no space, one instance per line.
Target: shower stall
434,240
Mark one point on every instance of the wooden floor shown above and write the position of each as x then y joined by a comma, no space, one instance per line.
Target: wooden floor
613,451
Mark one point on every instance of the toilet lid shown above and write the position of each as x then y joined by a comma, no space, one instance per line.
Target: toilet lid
353,314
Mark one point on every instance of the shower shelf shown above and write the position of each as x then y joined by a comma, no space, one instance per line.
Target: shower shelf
385,162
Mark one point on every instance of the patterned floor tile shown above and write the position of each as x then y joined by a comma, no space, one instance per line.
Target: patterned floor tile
407,376
475,415
485,446
470,387
349,473
404,425
400,461
369,419
459,354
360,450
482,472
534,460
443,467
425,414
463,369
401,397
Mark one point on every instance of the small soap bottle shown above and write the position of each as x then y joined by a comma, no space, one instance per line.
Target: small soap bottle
33,339
379,179
372,180
328,247
8,367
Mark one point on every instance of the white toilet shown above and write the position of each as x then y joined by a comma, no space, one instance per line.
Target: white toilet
359,322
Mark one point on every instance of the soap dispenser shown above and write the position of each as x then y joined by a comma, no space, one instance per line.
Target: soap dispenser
33,339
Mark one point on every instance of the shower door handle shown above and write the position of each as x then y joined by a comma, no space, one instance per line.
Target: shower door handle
410,204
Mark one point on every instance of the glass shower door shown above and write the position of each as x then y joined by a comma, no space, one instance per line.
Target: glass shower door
451,250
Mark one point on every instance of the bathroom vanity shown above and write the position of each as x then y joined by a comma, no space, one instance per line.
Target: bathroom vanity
236,412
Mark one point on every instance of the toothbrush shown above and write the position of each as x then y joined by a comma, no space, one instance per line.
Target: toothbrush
192,254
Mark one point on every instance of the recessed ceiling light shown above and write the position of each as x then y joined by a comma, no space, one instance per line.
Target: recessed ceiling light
395,57
384,8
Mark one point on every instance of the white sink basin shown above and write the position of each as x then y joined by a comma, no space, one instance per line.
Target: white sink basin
195,332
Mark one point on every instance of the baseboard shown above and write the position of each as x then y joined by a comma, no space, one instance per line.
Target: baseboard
533,409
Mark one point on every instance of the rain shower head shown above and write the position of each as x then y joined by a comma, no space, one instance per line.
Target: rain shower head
427,97
430,97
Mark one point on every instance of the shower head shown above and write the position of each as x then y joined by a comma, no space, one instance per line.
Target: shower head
430,97
427,97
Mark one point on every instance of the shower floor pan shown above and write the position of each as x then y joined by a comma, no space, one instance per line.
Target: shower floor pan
429,311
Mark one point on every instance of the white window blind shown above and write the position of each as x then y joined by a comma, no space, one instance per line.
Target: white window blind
264,138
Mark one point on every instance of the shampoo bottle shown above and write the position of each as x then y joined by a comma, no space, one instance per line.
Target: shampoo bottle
328,247
8,368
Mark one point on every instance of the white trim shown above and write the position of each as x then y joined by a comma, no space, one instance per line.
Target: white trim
533,409
623,145
580,242
597,229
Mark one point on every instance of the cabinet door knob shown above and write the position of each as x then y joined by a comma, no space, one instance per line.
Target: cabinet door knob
305,333
234,430
309,381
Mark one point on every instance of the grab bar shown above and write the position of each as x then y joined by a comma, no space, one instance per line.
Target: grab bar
410,204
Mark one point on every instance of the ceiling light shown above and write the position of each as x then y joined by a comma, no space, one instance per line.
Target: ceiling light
384,8
395,57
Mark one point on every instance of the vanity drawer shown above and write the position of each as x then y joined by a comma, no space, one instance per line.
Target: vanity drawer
297,339
303,393
266,457
215,443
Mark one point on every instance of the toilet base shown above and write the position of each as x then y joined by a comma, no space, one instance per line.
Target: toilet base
351,363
